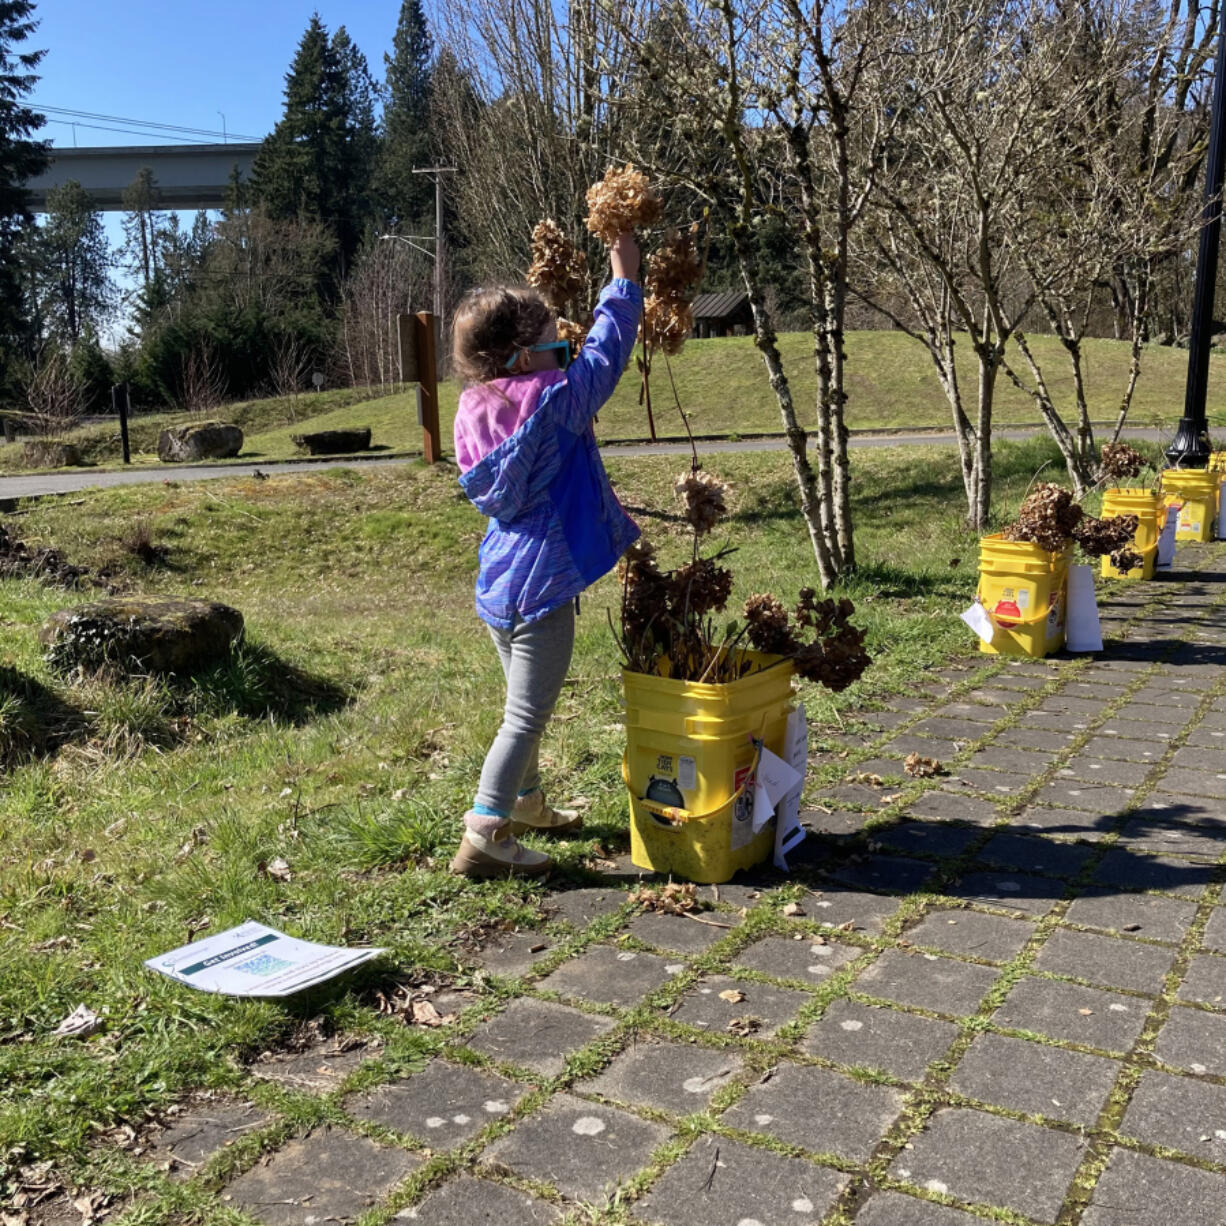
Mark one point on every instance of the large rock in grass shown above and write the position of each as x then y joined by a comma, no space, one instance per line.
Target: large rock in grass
48,453
142,634
334,442
206,440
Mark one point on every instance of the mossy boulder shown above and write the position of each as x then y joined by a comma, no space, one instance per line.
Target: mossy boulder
334,442
205,440
48,453
142,634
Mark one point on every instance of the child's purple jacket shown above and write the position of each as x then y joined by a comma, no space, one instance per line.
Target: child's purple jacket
528,455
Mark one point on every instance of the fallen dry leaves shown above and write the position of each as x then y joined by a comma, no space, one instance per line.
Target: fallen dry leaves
919,767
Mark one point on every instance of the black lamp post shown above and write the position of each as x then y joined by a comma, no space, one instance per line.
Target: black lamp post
1191,446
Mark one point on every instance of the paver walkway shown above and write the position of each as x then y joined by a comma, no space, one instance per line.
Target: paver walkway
997,994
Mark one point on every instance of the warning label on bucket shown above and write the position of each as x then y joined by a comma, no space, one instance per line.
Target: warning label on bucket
687,774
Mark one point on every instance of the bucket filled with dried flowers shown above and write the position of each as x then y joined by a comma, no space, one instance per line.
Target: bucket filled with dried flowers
1121,463
1023,570
705,694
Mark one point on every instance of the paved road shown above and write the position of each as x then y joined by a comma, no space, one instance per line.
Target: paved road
77,480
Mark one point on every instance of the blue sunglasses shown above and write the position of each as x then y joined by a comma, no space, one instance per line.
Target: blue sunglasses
561,351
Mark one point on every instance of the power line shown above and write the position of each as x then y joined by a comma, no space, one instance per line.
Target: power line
98,127
145,123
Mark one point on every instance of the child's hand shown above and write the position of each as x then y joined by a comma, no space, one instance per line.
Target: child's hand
625,257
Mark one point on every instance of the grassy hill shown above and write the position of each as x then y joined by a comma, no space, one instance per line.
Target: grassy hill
722,384
891,383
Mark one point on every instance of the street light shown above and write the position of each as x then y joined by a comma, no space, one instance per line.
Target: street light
1191,446
409,240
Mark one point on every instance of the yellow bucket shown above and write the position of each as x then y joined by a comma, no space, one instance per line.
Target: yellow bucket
1023,589
1217,466
1197,490
691,754
1146,506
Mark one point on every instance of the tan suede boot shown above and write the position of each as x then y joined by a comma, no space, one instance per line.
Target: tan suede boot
534,813
500,856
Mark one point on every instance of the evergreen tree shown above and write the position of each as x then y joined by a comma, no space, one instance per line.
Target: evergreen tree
73,272
91,372
20,158
407,199
315,166
142,226
358,104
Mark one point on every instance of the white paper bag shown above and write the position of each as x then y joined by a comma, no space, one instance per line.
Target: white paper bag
776,779
1084,632
1166,538
977,618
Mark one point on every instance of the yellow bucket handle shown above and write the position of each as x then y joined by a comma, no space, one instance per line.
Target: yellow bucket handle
681,816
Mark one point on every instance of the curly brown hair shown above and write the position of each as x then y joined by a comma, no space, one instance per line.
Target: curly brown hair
490,325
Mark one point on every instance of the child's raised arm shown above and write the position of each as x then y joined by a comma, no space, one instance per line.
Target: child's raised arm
592,377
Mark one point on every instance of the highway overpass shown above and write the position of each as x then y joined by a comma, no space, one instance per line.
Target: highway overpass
188,176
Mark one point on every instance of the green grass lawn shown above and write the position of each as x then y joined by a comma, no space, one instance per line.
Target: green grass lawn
723,386
100,444
891,384
346,738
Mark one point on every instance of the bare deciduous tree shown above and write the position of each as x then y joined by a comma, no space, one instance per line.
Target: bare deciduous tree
768,100
53,395
288,368
388,279
1018,186
202,381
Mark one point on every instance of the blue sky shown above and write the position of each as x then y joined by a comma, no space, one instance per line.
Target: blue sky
183,63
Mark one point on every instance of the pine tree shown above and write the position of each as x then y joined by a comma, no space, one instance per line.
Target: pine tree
74,271
407,199
20,159
142,226
315,166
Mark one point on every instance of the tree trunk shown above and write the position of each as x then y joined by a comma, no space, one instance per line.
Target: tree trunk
981,508
766,343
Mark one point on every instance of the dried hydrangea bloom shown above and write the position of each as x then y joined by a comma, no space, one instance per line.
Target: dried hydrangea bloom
770,628
1047,518
667,323
699,588
622,201
1104,536
575,332
675,267
835,661
674,271
559,268
703,496
1127,559
645,598
1121,462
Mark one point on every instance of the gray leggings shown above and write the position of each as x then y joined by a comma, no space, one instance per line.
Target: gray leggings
535,658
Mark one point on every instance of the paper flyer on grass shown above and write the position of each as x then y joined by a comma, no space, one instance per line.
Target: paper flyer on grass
255,960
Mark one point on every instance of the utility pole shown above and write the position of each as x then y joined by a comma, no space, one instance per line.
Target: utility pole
1191,446
440,311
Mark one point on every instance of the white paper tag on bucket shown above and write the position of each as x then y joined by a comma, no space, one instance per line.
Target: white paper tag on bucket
1166,539
1084,632
776,779
687,774
977,618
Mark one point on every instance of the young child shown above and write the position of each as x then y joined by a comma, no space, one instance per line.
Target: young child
528,458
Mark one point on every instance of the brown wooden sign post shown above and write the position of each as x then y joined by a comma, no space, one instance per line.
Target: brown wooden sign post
419,364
